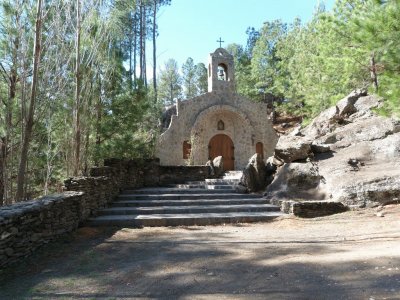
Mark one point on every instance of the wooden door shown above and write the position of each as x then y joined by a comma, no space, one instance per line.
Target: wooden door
222,145
260,149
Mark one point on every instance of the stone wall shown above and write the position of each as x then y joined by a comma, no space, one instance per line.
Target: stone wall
27,225
312,209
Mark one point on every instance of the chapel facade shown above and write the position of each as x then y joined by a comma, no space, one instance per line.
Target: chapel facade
217,123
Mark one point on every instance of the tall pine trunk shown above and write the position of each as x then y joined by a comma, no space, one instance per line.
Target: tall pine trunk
154,50
30,117
77,108
141,26
3,152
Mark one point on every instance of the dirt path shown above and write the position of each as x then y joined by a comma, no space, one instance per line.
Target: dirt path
355,255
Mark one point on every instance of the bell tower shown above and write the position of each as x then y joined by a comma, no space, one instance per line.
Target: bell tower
221,71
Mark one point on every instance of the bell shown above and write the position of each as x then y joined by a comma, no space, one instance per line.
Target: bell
221,73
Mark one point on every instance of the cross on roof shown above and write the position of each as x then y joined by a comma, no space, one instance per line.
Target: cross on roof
220,42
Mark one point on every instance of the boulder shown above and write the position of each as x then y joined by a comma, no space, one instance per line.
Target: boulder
368,129
210,164
296,181
317,147
254,175
293,148
346,106
167,116
333,117
218,164
364,174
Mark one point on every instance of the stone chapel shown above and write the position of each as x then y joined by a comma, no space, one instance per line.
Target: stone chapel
217,123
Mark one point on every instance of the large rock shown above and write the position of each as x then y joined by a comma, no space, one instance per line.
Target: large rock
293,148
374,181
254,175
356,159
296,181
368,129
218,164
333,117
167,116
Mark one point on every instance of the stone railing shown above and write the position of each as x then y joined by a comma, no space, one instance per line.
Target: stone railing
27,225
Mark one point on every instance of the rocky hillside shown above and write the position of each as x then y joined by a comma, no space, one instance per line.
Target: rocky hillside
348,154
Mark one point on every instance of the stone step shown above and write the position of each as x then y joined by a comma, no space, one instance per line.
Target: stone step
189,186
195,202
185,196
204,186
187,209
175,190
233,175
182,219
222,181
219,187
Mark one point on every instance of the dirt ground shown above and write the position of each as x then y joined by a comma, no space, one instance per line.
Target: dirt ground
354,255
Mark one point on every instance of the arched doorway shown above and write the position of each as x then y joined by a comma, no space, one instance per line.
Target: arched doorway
222,145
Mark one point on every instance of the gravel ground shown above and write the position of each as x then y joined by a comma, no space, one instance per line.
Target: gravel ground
354,255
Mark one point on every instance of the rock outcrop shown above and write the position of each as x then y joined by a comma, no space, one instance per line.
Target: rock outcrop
348,154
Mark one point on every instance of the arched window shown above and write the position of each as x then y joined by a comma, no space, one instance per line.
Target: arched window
221,125
187,148
222,72
260,149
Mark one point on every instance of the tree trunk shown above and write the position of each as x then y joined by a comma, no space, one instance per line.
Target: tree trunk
141,40
134,47
154,51
3,151
98,122
30,121
131,36
144,76
76,114
374,76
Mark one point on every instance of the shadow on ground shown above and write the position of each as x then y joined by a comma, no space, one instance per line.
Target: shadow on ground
260,261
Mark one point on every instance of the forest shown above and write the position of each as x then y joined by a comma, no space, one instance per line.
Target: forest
74,87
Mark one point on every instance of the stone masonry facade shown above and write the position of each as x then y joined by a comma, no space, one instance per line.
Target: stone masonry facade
197,121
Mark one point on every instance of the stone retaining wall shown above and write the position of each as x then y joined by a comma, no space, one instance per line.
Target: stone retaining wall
312,209
27,225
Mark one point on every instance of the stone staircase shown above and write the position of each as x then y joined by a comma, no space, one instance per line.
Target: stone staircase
209,202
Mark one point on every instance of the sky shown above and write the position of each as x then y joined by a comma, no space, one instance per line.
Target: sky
191,28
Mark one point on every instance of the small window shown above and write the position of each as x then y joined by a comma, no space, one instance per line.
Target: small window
209,71
222,72
260,149
187,148
221,125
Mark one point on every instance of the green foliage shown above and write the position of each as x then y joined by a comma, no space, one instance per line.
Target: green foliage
201,79
194,78
169,85
309,67
127,129
189,76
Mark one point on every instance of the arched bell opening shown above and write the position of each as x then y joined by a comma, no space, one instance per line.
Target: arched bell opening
222,72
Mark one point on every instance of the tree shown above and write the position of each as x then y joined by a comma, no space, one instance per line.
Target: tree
169,87
242,60
32,102
189,70
265,61
156,4
201,79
